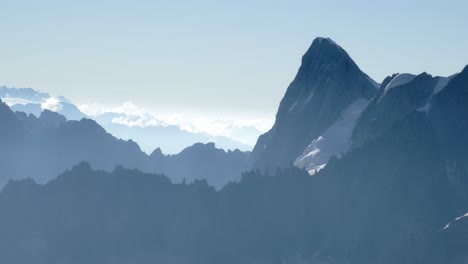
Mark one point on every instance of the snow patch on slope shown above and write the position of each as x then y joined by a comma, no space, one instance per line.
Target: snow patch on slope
292,106
334,141
443,81
400,79
424,108
456,219
441,84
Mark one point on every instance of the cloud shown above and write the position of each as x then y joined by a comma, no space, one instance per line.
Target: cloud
131,115
242,130
143,120
52,104
128,108
15,101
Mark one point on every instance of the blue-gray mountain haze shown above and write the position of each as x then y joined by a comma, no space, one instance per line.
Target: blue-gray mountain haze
352,172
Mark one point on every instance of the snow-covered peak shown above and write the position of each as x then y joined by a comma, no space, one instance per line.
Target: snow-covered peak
400,79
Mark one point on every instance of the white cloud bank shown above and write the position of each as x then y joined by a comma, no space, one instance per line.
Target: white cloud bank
52,104
242,130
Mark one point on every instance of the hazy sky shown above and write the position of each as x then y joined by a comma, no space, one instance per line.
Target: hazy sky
216,57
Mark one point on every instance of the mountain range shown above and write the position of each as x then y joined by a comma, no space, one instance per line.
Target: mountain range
149,132
43,147
351,172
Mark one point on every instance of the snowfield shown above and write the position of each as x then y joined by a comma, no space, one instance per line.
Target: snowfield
334,141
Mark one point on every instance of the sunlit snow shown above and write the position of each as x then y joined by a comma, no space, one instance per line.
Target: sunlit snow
400,79
334,141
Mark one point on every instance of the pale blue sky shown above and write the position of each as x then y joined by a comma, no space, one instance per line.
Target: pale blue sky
216,57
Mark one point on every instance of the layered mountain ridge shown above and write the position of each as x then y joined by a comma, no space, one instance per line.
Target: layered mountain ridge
389,184
143,128
42,148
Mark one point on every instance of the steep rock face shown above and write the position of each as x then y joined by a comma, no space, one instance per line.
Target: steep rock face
447,112
397,97
327,82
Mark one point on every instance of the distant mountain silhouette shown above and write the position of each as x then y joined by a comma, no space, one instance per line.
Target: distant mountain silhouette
47,119
44,147
172,139
202,161
67,109
23,94
10,129
33,102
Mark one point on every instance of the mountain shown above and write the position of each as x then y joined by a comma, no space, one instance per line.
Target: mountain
34,102
385,202
67,109
10,129
447,111
146,130
44,147
202,161
172,139
21,95
398,96
394,188
327,83
399,188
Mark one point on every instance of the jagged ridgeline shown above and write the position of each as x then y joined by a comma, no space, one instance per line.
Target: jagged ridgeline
43,147
389,185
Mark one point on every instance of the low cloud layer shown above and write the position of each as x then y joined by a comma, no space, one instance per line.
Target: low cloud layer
242,130
52,104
